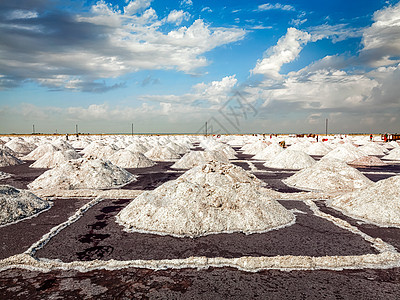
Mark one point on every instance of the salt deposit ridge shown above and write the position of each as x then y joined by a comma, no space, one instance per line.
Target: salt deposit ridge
211,198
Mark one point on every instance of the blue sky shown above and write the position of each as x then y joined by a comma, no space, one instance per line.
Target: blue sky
171,66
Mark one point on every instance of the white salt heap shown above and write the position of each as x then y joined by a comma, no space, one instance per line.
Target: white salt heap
195,158
393,154
328,175
83,174
254,148
128,159
162,153
208,199
345,153
20,147
319,148
268,153
290,159
40,151
17,204
53,159
137,147
368,161
378,203
7,159
372,148
97,151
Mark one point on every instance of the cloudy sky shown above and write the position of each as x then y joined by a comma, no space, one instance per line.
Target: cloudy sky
171,66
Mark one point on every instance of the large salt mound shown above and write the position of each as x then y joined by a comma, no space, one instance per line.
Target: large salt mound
290,159
255,148
100,152
378,203
53,159
345,153
40,151
328,175
83,174
128,159
7,159
393,154
268,153
20,147
195,158
368,161
319,148
17,204
208,199
136,147
371,148
161,153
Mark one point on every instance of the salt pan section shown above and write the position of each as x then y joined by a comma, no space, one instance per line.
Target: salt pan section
128,159
393,154
378,203
368,161
344,153
16,204
7,159
195,158
53,159
290,159
208,199
268,153
328,175
83,174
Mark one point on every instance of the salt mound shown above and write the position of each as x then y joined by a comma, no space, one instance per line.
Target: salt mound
53,159
17,204
393,154
345,153
136,147
254,148
40,151
7,159
160,153
328,175
195,158
268,153
4,175
378,203
83,174
290,159
128,159
208,199
20,147
371,148
318,149
62,145
224,149
368,161
300,146
100,152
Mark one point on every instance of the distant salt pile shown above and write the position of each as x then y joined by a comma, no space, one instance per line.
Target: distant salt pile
53,159
255,148
178,148
128,159
208,199
378,203
83,174
8,150
100,152
344,153
18,204
300,146
393,154
7,159
195,158
371,148
328,175
226,150
62,145
318,149
138,147
368,161
392,144
290,159
4,175
40,151
268,153
79,144
162,153
20,147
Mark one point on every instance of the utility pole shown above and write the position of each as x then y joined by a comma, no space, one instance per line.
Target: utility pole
33,129
206,128
132,129
326,127
76,128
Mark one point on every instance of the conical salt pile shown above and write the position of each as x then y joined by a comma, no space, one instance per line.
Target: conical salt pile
195,158
255,148
7,159
378,203
368,161
371,148
100,152
345,153
40,151
290,159
17,204
319,148
137,147
393,154
53,159
83,174
161,153
128,159
268,153
328,175
20,147
208,199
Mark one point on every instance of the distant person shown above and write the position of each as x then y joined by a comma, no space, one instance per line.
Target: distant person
317,138
370,137
66,136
